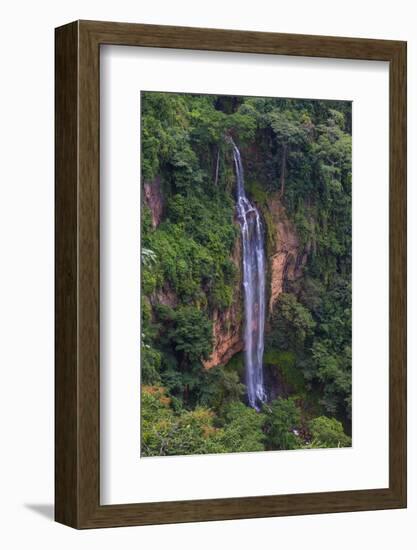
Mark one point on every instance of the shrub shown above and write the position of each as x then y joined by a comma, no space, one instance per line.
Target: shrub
327,433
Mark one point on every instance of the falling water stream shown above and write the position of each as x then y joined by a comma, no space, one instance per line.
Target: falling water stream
253,287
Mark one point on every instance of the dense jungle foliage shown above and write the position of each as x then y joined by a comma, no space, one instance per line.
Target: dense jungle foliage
300,151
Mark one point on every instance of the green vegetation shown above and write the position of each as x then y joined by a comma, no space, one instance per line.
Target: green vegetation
328,432
283,418
297,152
284,362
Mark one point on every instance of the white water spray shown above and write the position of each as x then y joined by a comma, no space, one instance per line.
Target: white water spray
253,287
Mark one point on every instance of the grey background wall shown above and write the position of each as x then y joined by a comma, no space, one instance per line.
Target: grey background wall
26,273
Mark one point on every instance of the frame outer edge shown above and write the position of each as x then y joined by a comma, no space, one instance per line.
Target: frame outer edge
88,274
77,275
398,274
66,275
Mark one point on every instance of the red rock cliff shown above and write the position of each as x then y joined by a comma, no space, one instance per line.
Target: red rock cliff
227,324
286,259
152,196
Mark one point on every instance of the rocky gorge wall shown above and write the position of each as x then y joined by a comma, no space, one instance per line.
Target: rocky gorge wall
285,260
228,324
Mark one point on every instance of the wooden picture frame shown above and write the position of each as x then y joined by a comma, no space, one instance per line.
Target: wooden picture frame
77,405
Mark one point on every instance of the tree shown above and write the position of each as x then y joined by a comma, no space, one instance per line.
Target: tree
292,323
186,338
334,371
242,430
148,257
327,433
283,417
220,387
165,432
191,333
151,362
290,135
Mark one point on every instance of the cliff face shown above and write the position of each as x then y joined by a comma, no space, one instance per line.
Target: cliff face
152,195
287,259
227,324
285,263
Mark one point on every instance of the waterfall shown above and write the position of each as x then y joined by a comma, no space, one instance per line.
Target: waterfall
253,260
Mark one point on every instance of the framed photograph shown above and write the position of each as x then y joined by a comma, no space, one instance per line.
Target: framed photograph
230,274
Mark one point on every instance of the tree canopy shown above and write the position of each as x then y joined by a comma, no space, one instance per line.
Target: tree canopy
300,151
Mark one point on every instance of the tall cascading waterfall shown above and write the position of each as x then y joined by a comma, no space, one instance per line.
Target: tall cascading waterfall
253,287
